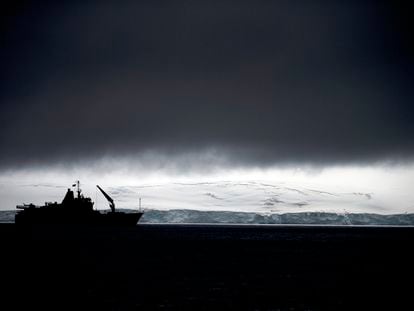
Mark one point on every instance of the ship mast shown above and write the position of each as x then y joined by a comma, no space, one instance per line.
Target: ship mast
78,187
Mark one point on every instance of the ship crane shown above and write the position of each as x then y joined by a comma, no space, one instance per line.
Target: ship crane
110,200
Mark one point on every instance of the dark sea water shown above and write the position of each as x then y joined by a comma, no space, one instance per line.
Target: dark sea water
207,267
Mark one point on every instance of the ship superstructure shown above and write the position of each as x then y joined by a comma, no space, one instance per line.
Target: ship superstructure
75,210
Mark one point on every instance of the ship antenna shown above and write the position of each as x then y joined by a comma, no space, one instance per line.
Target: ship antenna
79,191
96,199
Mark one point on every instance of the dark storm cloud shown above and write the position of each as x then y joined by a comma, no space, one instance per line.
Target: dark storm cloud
263,82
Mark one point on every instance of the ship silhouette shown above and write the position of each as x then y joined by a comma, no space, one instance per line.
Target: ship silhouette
75,210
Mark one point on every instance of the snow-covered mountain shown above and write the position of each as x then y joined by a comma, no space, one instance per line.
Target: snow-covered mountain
250,196
247,202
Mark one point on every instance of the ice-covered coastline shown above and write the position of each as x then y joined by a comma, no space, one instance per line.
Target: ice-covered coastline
228,217
316,218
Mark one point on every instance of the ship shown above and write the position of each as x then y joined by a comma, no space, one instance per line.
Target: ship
76,210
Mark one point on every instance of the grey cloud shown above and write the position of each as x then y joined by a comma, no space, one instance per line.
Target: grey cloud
261,82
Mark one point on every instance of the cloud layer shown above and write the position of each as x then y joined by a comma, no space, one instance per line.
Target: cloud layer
260,83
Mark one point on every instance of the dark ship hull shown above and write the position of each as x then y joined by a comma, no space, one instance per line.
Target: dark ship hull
75,210
44,215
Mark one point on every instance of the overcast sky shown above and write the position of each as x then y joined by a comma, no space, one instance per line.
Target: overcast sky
256,82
